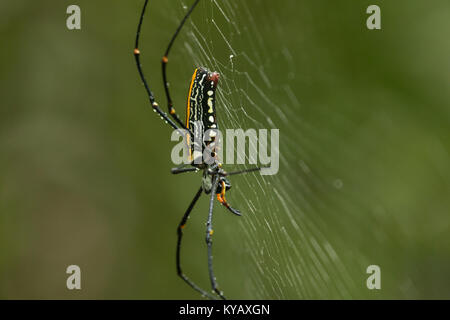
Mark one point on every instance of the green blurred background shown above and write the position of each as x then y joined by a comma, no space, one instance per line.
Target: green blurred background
364,141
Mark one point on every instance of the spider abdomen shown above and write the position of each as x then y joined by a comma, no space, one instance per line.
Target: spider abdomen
201,108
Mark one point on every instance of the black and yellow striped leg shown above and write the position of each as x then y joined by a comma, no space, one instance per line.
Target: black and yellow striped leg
180,236
209,233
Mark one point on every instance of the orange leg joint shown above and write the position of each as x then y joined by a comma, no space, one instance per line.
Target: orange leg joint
223,201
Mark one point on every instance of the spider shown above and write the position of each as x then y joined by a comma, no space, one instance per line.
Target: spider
200,109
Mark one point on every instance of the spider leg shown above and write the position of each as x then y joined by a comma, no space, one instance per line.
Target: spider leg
242,171
182,169
180,236
137,54
165,60
223,201
209,233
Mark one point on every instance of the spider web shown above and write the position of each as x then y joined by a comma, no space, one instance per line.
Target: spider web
285,253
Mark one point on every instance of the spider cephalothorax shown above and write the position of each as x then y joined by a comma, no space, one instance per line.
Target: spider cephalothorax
200,118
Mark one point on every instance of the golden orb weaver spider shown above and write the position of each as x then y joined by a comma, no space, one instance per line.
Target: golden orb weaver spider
200,108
